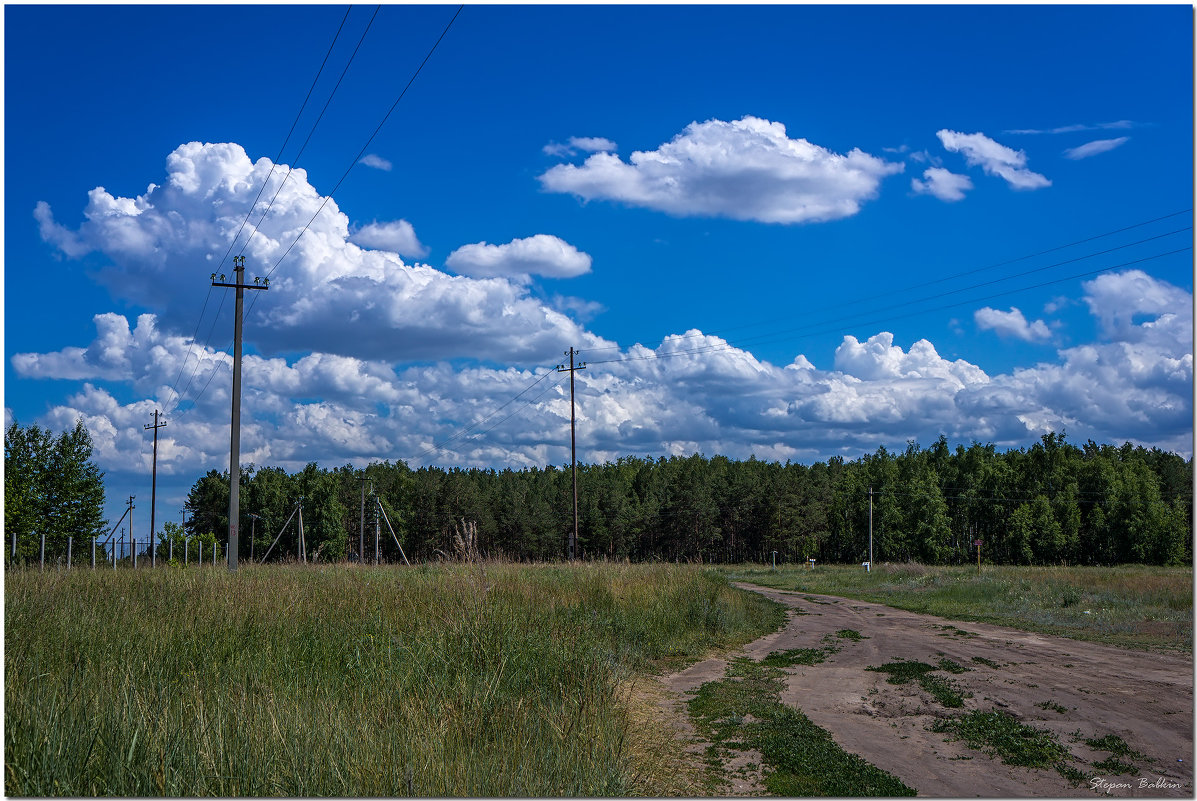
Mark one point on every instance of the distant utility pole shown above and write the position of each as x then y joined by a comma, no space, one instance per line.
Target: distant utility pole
235,435
154,486
361,531
131,508
573,444
870,528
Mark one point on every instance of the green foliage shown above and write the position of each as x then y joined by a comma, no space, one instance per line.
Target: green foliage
51,487
1054,503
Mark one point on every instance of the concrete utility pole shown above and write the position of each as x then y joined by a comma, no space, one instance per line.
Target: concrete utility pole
573,444
154,487
235,429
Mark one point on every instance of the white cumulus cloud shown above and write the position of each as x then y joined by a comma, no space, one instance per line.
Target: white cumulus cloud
542,254
1011,324
941,183
747,169
326,292
994,158
398,236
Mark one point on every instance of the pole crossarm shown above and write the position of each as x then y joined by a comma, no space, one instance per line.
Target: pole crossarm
573,443
235,426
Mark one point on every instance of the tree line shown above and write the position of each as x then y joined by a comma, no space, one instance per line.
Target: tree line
1051,503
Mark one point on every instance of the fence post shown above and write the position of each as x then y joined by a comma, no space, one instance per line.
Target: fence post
69,543
113,546
133,542
186,548
201,552
93,553
171,548
43,556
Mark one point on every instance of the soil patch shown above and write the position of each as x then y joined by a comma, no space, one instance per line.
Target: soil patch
1082,694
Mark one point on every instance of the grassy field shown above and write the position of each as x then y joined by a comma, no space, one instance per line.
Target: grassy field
493,680
1134,606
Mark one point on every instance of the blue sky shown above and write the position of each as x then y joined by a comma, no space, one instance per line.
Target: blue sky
787,231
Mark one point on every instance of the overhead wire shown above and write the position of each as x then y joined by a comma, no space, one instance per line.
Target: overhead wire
362,152
232,242
838,324
889,293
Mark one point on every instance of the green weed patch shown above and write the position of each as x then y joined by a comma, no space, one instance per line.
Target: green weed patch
1013,742
743,711
904,672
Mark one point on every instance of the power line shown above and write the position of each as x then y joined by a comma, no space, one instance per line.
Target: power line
944,279
361,152
311,133
249,213
843,322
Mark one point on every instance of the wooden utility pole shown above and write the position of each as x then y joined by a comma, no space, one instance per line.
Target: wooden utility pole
573,445
154,487
235,429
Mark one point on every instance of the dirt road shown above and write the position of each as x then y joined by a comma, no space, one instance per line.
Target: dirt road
1078,691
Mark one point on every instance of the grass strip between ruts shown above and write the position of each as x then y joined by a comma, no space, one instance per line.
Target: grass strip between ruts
743,711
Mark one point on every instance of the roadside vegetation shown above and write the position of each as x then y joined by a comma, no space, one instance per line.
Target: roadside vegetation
743,711
1133,606
458,680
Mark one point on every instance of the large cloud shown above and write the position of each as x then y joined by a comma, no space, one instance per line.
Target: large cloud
994,158
690,392
163,245
748,169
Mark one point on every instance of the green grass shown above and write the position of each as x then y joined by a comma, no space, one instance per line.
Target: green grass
494,680
980,660
1133,606
743,711
904,672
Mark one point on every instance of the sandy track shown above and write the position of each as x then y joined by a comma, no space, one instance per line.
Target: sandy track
1146,699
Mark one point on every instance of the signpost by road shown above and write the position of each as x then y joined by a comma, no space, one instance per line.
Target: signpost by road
978,544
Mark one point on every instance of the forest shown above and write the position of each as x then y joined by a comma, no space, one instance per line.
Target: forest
1051,503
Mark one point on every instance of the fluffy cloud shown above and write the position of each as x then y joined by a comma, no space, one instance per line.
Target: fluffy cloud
377,162
326,292
690,392
942,183
748,169
520,259
994,158
398,236
1093,148
1011,324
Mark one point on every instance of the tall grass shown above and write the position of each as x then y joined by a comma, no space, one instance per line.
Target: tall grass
1135,606
490,680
